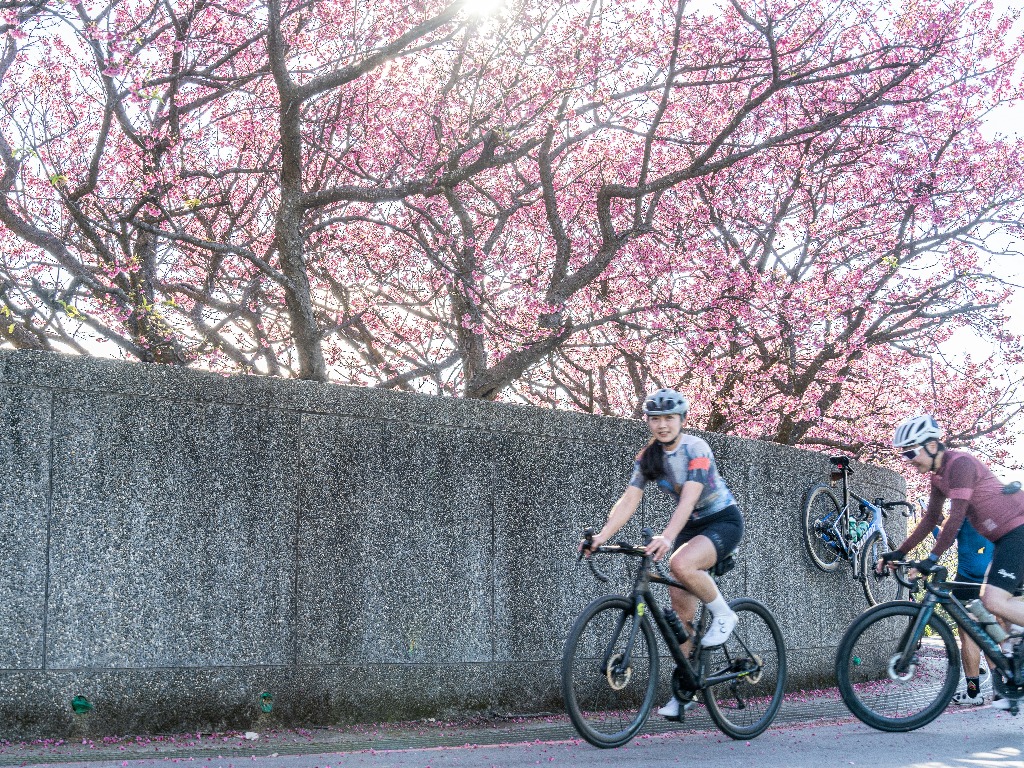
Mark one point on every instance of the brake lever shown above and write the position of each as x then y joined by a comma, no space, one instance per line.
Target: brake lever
588,539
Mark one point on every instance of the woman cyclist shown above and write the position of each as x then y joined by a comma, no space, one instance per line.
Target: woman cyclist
705,527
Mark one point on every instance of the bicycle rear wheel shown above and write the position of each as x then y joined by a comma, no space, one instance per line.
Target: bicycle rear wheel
878,588
608,700
821,508
883,696
755,657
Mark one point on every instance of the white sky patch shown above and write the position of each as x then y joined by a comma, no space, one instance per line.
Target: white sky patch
485,7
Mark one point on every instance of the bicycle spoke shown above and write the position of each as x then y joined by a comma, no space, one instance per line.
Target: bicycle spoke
745,705
824,541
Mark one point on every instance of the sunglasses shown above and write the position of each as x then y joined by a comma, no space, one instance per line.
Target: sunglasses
911,453
663,405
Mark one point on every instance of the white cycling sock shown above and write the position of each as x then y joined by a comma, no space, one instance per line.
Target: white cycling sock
719,607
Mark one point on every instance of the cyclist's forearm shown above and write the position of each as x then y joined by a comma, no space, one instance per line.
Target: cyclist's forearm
687,501
928,522
621,512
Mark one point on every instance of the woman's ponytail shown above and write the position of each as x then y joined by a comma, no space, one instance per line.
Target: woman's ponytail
652,461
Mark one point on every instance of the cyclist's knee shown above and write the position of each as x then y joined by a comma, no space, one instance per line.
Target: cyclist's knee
683,569
993,598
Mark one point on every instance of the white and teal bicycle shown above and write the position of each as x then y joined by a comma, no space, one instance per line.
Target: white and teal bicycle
853,530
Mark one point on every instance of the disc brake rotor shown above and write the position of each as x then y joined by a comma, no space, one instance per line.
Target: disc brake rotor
901,677
617,678
755,676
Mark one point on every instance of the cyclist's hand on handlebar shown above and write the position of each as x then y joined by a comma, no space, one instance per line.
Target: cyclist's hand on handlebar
658,548
590,542
923,566
886,560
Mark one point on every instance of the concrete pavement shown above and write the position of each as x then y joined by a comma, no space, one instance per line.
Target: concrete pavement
810,731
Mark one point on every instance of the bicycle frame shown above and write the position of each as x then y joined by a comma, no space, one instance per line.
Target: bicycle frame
939,594
851,550
643,600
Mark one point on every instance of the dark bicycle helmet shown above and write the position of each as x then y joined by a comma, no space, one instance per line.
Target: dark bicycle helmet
665,401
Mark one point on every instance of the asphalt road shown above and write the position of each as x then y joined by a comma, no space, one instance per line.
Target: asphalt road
977,738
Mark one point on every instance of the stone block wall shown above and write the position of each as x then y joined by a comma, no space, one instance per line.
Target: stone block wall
174,543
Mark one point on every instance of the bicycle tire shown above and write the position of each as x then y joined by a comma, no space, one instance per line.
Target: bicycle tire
819,503
608,707
884,588
878,697
744,707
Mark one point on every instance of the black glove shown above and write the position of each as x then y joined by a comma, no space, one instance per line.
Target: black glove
889,556
924,566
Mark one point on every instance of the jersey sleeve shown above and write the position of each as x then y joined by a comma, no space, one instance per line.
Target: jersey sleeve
931,519
961,478
637,480
698,468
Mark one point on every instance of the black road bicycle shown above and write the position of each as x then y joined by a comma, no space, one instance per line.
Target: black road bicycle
852,530
898,665
610,662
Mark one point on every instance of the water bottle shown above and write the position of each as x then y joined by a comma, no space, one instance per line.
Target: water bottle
858,529
1014,639
988,622
677,626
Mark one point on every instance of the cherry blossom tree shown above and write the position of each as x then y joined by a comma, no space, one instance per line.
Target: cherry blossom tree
781,207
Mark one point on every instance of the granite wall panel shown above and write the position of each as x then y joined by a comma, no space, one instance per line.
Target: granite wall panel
24,505
210,538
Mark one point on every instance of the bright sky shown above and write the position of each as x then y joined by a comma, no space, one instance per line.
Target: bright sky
1009,121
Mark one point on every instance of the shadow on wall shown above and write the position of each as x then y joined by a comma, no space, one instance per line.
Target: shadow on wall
177,543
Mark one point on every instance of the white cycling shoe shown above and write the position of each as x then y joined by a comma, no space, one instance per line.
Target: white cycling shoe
721,627
964,699
1001,703
673,710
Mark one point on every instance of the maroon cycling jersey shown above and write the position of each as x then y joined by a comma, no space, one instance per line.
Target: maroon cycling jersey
973,492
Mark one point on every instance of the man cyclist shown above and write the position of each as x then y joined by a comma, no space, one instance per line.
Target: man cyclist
705,526
975,494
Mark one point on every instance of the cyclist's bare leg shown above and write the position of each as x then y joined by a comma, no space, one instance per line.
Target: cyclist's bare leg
970,655
689,565
685,605
691,559
1002,604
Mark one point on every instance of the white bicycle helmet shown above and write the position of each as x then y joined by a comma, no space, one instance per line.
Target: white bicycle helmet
916,430
665,401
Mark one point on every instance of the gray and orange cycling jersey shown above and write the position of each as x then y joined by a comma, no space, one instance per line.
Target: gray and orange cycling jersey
691,460
974,493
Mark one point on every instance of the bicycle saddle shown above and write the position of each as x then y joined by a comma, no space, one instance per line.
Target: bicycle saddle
843,462
724,565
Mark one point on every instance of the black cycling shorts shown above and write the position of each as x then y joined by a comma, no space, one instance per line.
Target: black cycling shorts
724,529
1007,569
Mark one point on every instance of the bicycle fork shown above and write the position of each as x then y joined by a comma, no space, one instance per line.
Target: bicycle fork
902,665
622,661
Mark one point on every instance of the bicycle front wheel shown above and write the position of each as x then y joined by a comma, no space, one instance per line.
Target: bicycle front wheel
610,671
821,510
752,668
876,690
878,588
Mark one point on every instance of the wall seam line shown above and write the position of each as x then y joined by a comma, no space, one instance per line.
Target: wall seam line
49,528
